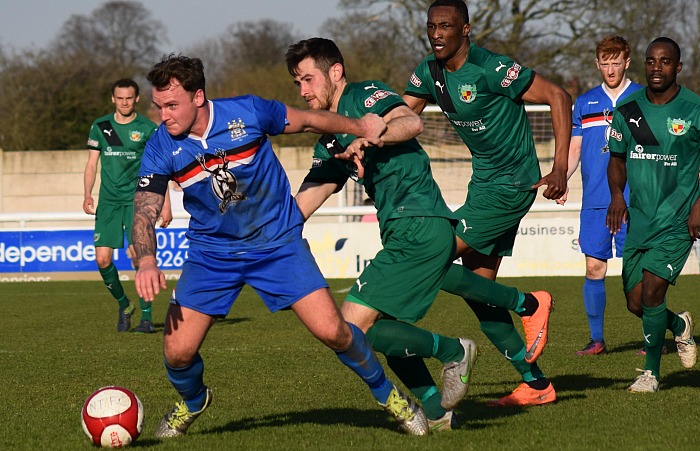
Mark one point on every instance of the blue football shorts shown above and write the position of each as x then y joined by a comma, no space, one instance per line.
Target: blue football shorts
595,238
212,280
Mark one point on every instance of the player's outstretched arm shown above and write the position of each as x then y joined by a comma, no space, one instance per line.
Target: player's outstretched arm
149,279
370,126
543,91
617,178
312,195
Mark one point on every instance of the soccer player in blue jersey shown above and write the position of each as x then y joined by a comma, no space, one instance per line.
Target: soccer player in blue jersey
592,116
655,146
245,228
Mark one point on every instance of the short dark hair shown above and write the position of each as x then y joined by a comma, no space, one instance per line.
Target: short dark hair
126,83
188,71
323,51
459,5
671,42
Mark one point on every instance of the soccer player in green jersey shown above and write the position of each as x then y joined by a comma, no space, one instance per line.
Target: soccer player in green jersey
417,229
117,140
482,94
655,147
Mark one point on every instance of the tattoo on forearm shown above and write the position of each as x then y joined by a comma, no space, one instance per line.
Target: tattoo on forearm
147,208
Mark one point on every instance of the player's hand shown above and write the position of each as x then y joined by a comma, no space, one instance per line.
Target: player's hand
617,214
562,200
89,205
556,184
694,221
166,217
355,152
149,279
373,127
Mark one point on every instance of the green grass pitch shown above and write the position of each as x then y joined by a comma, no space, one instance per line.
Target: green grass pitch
275,387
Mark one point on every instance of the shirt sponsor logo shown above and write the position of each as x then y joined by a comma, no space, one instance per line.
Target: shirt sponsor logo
376,96
638,154
135,135
316,163
415,81
475,126
511,75
467,93
678,127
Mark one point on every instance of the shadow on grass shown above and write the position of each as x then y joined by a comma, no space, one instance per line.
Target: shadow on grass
685,378
229,321
636,346
349,417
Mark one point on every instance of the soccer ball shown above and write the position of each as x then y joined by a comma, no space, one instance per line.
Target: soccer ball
112,417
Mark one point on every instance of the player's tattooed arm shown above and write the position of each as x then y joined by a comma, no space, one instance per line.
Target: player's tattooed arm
147,208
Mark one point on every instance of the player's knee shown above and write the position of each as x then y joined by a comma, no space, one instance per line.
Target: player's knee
177,356
635,308
103,261
337,338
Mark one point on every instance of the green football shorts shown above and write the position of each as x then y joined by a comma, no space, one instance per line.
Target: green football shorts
404,277
111,221
666,261
490,217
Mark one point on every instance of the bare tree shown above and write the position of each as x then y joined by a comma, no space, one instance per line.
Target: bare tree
118,34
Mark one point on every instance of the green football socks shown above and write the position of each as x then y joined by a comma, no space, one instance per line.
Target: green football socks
654,321
416,377
398,339
110,276
466,284
145,310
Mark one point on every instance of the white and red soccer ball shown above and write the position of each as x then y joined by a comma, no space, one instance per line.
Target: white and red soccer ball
112,417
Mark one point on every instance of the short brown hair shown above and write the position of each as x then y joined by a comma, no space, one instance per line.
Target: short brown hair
611,47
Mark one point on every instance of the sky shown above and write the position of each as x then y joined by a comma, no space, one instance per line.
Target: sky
32,24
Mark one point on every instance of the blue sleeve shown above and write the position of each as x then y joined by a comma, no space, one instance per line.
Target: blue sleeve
576,120
271,115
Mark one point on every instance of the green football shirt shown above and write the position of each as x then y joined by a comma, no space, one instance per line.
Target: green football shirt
397,177
121,147
482,100
661,147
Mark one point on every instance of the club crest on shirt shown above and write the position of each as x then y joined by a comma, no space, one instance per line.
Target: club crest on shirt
135,135
237,129
467,93
678,127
